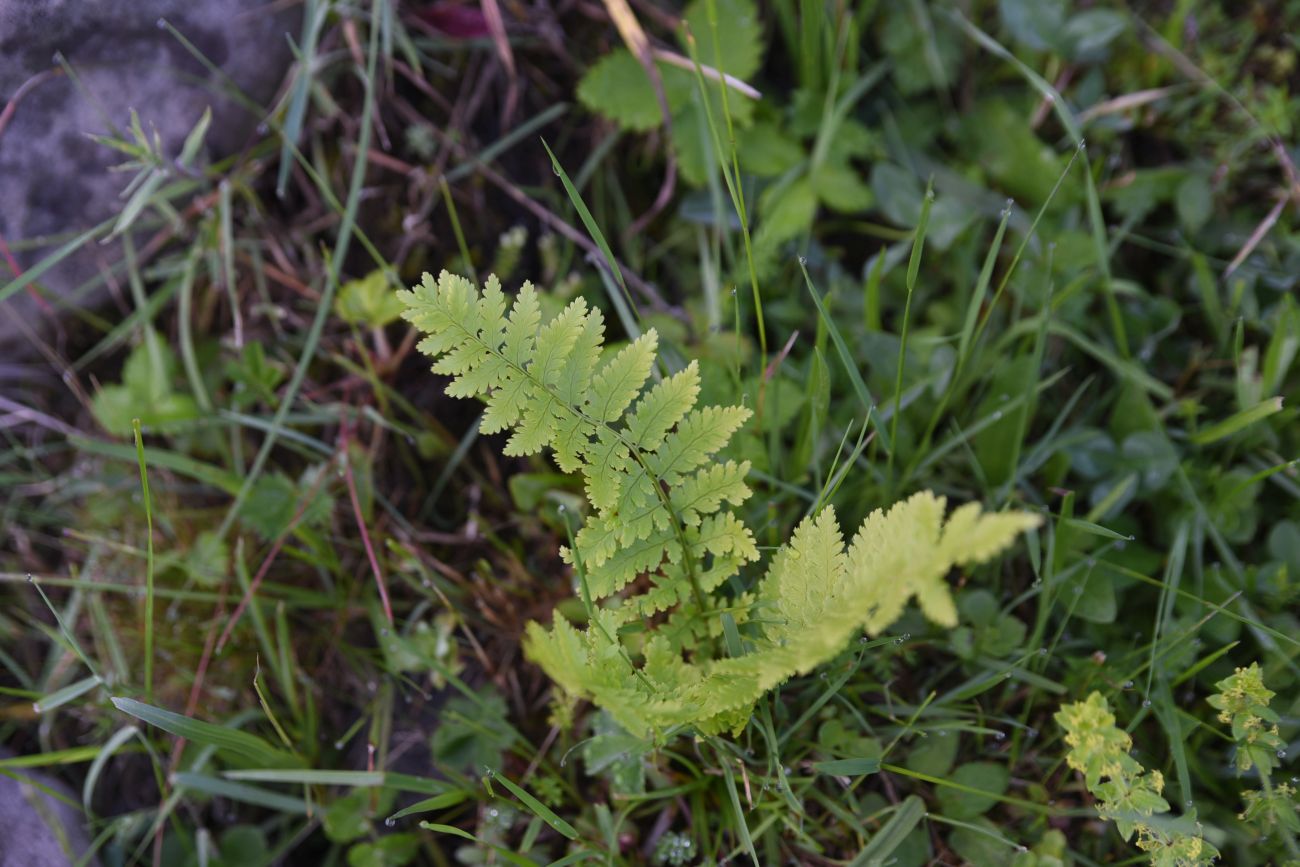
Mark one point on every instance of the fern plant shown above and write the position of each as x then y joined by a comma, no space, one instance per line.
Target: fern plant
663,535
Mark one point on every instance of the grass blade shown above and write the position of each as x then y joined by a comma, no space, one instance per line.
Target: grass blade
238,743
891,836
846,357
542,811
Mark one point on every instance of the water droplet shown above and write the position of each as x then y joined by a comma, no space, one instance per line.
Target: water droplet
907,636
1083,144
263,129
863,640
803,260
1022,848
390,822
1031,733
1042,651
36,707
1128,684
338,745
1146,702
898,641
384,631
161,24
1281,754
31,579
561,508
1188,803
1038,582
999,736
733,293
943,733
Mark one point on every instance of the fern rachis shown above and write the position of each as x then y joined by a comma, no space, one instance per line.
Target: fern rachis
664,509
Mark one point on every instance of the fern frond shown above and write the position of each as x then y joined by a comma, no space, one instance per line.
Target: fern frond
660,496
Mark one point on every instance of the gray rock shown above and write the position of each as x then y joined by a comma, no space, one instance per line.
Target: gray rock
54,179
37,830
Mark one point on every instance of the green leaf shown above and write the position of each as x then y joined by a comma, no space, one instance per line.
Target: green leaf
839,186
617,87
471,736
368,302
786,211
347,818
393,850
738,50
848,767
767,152
145,392
1194,202
1036,23
990,777
275,501
1087,35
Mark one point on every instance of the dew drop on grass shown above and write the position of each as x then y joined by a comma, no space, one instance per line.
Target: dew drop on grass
31,579
161,24
1281,754
1146,702
803,260
1128,684
338,745
390,822
263,129
1189,803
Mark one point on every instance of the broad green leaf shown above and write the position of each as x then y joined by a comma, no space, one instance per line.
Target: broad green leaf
369,301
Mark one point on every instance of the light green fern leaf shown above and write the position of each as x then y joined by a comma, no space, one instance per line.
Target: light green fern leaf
662,519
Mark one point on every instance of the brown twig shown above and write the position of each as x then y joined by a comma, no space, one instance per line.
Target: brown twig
346,441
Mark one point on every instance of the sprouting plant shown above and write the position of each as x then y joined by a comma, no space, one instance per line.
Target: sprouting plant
1242,701
664,646
1128,794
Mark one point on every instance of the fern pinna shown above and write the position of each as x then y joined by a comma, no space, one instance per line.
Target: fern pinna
663,510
